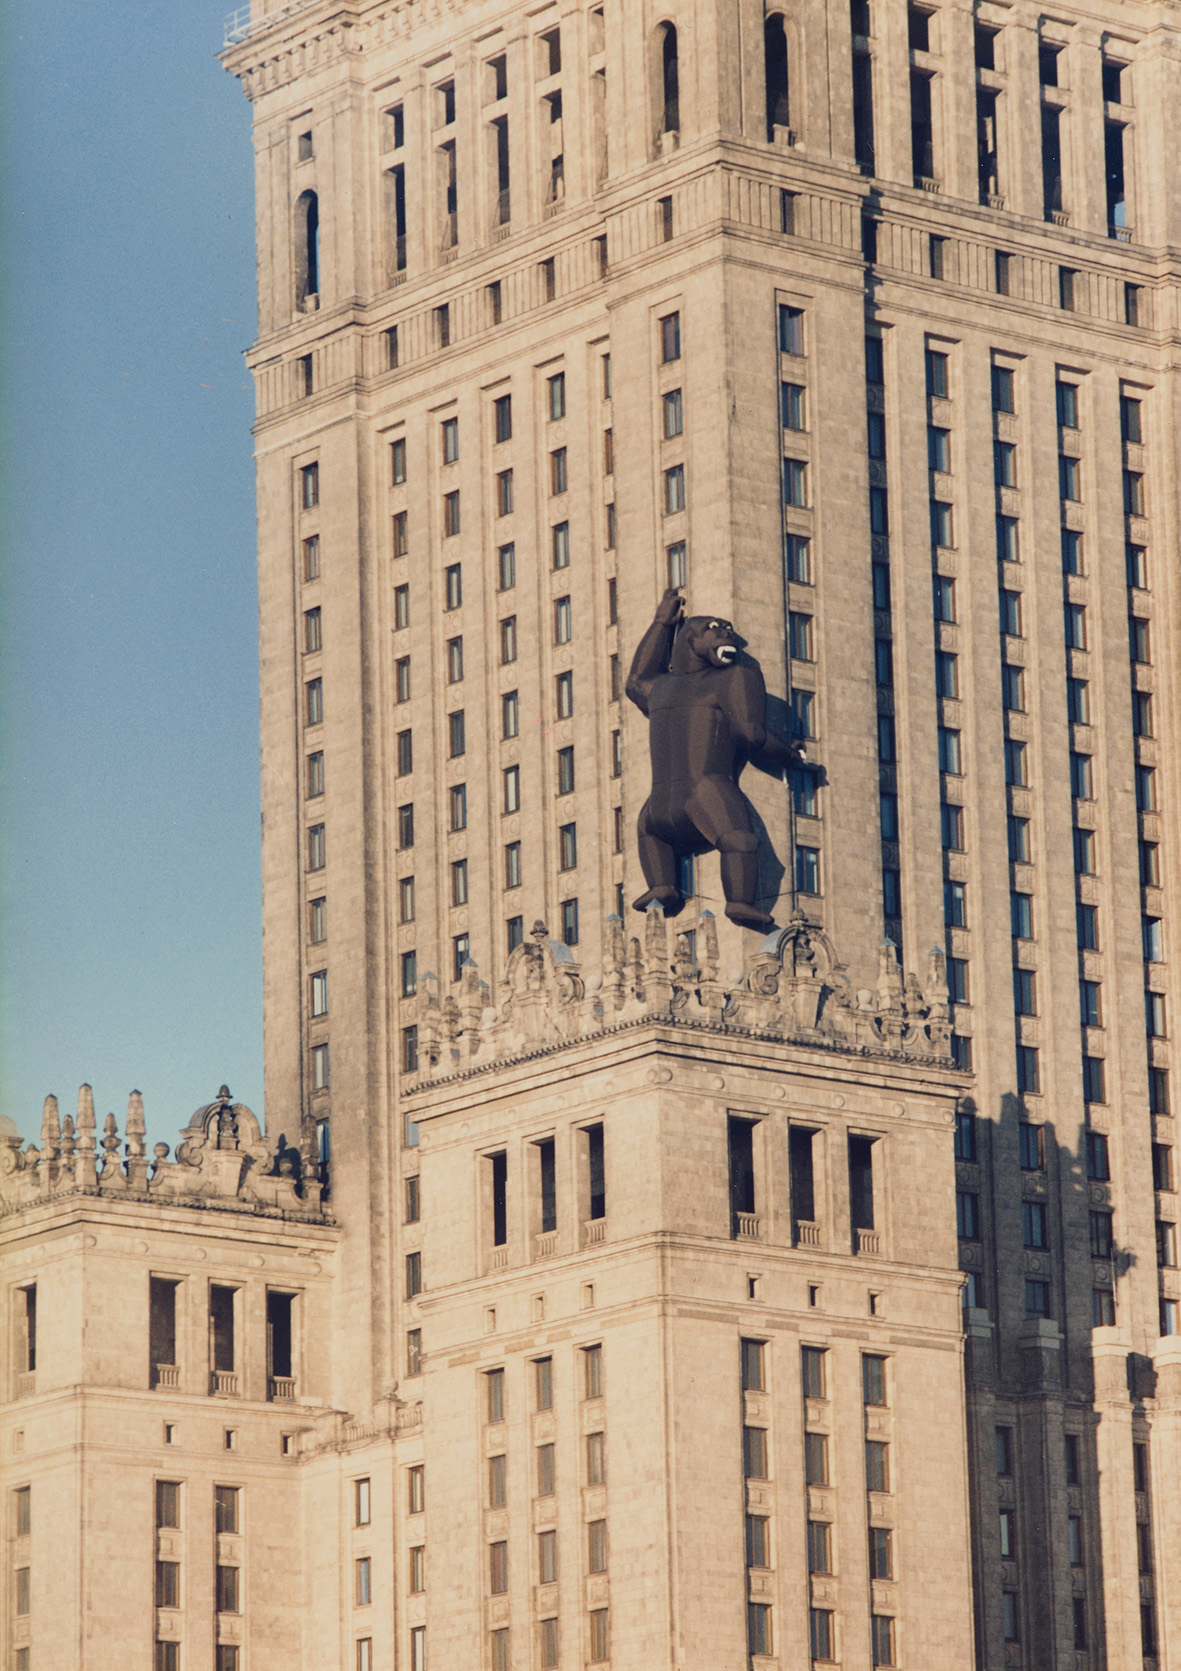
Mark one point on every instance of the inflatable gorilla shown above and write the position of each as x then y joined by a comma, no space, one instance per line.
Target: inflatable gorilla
705,708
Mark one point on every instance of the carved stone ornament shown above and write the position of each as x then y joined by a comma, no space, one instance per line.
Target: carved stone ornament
794,987
222,1159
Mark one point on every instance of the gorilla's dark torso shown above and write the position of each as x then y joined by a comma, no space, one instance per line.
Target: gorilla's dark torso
691,737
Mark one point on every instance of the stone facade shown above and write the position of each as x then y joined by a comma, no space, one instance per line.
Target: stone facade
858,322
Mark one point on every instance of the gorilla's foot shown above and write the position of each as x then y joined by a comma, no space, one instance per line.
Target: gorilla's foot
670,900
749,916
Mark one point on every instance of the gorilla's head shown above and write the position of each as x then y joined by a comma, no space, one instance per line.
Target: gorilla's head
705,641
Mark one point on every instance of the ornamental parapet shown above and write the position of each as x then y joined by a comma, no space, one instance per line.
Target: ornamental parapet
222,1161
793,989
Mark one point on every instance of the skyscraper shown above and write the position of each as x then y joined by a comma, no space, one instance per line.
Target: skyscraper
698,1299
854,325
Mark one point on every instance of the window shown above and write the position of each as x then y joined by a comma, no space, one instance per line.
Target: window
1004,463
456,735
967,1216
506,568
1089,1003
937,378
1003,389
406,899
558,472
873,1379
879,518
598,1635
821,1636
319,992
412,1200
167,1586
672,414
401,607
944,597
1084,852
512,865
758,1541
812,1371
459,882
560,545
596,1459
1081,777
570,922
1028,1070
877,1465
803,713
504,493
950,755
565,771
1146,789
807,870
1021,915
938,449
791,404
1031,1146
498,1568
1078,702
678,564
461,950
674,490
409,974
754,1453
309,486
512,789
1154,1015
880,581
1034,1224
941,524
951,820
758,1627
805,800
799,628
556,396
1016,764
882,1632
547,1557
592,1372
875,434
1013,688
401,535
402,679
815,1459
568,847
965,1135
563,621
1037,1298
228,1589
752,1362
457,805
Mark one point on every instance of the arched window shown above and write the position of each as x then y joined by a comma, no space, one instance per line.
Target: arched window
775,58
307,247
670,80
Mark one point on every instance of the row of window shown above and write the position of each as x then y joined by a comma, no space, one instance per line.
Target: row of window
758,1527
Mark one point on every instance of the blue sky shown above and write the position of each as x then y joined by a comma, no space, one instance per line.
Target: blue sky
129,819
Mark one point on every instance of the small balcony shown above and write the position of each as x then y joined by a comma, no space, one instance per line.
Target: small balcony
545,1245
281,1389
746,1227
224,1383
167,1375
868,1241
807,1233
594,1230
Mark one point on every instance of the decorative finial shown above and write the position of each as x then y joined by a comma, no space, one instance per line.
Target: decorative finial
85,1121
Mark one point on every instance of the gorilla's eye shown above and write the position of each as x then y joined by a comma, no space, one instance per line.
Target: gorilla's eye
712,625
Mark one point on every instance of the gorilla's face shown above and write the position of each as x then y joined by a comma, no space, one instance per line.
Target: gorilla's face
715,641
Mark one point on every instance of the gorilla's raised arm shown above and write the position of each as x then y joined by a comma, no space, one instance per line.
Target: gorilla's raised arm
653,651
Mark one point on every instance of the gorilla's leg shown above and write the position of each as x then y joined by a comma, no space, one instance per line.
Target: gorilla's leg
718,808
659,863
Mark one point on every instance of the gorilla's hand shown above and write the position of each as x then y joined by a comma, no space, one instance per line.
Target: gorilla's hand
670,608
